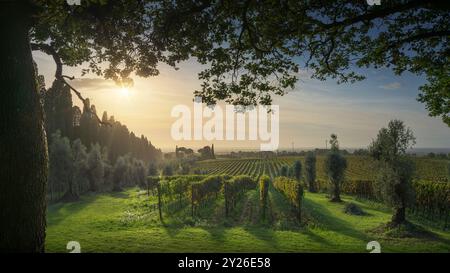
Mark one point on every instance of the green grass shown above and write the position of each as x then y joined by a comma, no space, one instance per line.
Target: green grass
123,222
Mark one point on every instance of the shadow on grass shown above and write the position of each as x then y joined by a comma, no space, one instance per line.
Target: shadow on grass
264,234
317,238
205,218
327,220
409,230
217,234
58,212
281,211
171,228
120,194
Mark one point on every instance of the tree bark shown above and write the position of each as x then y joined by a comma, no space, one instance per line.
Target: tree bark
336,193
23,146
399,216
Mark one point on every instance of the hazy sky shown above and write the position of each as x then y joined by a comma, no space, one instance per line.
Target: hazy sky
308,114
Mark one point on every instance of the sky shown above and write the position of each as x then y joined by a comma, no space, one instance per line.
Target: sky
308,114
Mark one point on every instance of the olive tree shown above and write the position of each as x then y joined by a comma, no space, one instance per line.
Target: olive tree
297,170
310,171
284,171
119,173
394,181
335,166
80,167
61,166
95,168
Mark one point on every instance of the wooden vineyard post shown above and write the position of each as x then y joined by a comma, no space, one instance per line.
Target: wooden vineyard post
225,189
300,211
158,187
192,201
300,193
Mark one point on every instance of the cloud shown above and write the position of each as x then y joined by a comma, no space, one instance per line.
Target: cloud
391,86
92,83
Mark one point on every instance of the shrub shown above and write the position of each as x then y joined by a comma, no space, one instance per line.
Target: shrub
353,209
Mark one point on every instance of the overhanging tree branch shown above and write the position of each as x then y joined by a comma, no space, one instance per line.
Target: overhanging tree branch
48,49
380,13
419,36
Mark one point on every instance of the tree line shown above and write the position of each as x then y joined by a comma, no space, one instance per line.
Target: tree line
75,123
87,155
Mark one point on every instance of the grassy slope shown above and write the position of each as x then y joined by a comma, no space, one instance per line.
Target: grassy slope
111,223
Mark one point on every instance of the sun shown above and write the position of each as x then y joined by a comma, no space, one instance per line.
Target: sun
124,92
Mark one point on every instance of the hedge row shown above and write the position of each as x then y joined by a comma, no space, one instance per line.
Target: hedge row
206,188
432,199
360,188
234,188
292,190
190,178
264,182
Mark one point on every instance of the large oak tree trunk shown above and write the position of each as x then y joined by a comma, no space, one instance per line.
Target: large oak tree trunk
23,146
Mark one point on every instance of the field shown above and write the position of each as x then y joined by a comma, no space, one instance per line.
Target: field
123,222
431,179
129,221
359,167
